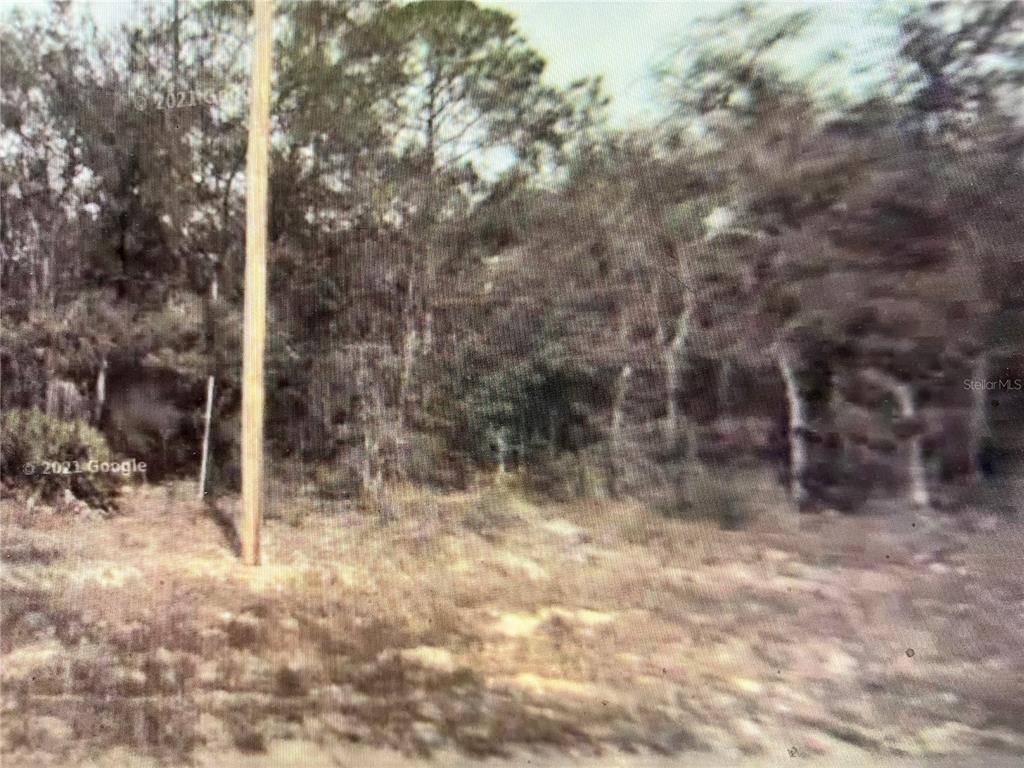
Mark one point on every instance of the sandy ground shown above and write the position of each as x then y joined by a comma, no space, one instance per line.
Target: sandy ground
481,627
302,754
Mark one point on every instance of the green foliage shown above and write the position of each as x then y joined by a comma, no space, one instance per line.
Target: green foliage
497,403
469,65
33,442
561,476
498,254
704,493
430,462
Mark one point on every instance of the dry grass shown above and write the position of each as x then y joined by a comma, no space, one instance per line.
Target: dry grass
487,623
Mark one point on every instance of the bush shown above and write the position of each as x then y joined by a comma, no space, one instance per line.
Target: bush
495,510
704,494
559,477
428,461
35,449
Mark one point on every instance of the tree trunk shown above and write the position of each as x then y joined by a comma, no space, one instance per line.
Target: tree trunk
428,331
917,476
367,470
797,429
674,359
370,420
836,401
33,257
368,450
177,46
915,453
46,288
501,447
52,398
409,343
432,116
101,391
692,446
616,447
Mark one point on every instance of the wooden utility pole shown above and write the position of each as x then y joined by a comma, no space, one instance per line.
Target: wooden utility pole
255,310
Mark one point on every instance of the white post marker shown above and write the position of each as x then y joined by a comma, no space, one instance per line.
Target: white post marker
205,462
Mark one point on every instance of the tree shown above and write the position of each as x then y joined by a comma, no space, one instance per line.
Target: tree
967,60
728,77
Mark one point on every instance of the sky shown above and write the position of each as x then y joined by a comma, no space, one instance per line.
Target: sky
624,41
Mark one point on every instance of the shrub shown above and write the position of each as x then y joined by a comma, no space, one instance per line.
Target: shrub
496,510
428,461
703,493
557,477
33,445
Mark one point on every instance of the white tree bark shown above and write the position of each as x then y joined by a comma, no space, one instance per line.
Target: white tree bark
63,401
674,359
409,343
915,453
917,475
501,446
618,419
673,352
797,427
101,391
621,387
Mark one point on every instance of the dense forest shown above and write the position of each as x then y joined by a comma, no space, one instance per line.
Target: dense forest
472,272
